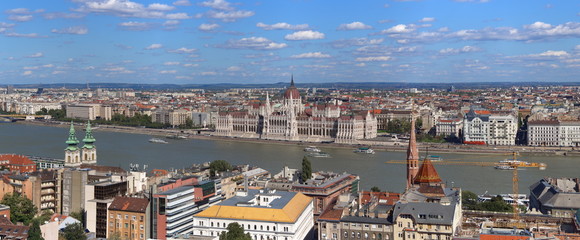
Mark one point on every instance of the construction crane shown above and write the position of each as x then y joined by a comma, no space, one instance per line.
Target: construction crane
512,164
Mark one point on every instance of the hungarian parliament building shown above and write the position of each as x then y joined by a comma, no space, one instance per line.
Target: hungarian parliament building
291,121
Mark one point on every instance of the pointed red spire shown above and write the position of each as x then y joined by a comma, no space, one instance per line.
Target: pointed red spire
427,173
412,154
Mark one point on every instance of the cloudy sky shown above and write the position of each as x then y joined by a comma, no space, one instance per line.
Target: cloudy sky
265,41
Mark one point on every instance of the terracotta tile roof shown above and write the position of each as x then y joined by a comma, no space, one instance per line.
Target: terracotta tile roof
14,159
129,204
331,214
427,173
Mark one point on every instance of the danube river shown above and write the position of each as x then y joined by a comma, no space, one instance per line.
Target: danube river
122,149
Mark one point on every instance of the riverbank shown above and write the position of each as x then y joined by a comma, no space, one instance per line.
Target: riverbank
380,145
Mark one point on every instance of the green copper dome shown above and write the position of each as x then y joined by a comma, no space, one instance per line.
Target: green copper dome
89,139
72,140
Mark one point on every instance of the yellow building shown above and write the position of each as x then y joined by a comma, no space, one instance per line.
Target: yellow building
262,213
128,218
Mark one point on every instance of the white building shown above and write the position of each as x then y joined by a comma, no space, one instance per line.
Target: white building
448,127
494,128
554,133
263,214
89,111
171,117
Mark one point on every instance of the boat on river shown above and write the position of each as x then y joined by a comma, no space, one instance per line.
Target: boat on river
157,140
364,150
312,149
318,154
177,137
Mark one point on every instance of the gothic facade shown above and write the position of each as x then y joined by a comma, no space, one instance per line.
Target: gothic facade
291,121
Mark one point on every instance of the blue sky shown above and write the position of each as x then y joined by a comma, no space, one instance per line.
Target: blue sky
217,41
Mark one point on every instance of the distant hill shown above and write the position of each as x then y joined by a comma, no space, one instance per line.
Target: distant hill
337,85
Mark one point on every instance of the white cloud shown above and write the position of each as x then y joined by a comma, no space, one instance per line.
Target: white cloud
56,15
36,55
154,46
257,43
57,72
183,50
160,7
27,73
24,35
182,3
231,16
217,4
427,19
135,26
233,69
551,53
400,28
168,71
355,42
171,63
464,49
538,25
362,64
171,23
373,59
191,65
304,35
206,27
48,65
354,26
178,16
208,73
311,55
77,30
282,25
20,18
126,8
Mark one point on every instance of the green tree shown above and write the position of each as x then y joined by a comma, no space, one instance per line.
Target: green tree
219,166
42,111
468,199
58,114
79,215
235,232
74,231
375,189
34,233
306,169
21,208
497,204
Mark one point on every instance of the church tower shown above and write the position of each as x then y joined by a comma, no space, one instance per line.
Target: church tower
89,150
412,154
72,154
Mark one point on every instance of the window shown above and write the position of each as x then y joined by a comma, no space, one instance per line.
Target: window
118,216
126,216
126,225
134,217
112,216
141,227
334,236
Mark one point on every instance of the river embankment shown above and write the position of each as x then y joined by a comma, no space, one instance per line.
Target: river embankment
378,144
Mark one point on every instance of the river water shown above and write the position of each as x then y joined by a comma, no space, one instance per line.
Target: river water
122,149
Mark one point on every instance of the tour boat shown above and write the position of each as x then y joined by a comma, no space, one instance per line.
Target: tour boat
157,140
318,154
312,149
364,150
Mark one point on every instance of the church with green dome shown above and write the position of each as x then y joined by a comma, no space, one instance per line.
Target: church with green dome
74,155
